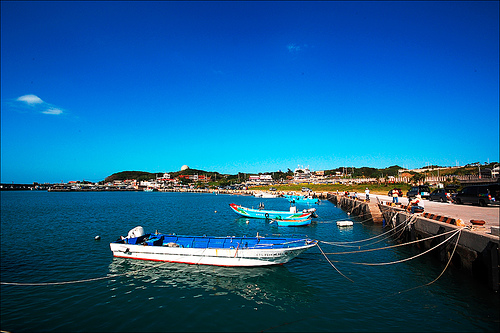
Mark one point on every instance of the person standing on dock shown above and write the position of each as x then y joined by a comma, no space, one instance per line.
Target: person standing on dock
395,195
367,194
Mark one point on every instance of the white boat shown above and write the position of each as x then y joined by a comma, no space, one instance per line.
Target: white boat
344,223
208,250
265,195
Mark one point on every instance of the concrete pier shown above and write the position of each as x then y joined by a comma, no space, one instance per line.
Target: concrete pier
361,208
477,253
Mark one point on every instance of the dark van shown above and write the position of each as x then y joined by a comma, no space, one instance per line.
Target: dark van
481,195
423,190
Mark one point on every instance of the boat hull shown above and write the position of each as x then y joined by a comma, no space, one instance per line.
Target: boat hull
269,214
292,223
237,255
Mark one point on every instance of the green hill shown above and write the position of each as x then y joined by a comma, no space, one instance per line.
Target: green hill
145,176
138,175
366,172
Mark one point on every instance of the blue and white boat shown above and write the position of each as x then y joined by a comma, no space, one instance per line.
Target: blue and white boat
292,214
208,250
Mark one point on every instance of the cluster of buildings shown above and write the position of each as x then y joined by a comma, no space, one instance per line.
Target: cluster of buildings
166,181
300,175
161,182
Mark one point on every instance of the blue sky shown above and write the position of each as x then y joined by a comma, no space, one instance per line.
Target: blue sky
93,88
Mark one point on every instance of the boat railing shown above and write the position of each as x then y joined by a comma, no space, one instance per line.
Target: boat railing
217,242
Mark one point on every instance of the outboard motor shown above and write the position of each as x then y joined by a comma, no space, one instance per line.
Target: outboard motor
136,232
311,210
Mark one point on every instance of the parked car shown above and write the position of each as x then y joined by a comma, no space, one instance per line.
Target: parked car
400,193
423,190
482,195
442,194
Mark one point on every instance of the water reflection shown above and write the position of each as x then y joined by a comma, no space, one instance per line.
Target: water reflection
274,285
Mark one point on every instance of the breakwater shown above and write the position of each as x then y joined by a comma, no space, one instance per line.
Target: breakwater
474,251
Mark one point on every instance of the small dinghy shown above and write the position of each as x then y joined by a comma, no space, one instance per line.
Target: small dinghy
344,223
208,250
292,223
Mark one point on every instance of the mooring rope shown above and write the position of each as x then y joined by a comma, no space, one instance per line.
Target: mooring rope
447,264
327,259
401,232
402,226
441,274
393,246
78,281
403,260
335,221
368,239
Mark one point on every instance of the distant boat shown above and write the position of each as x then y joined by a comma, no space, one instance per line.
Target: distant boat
149,189
292,223
301,199
208,250
292,214
265,195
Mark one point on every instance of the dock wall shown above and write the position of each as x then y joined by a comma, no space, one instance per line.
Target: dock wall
477,253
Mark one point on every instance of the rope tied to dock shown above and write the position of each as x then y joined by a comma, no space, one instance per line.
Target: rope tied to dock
393,246
329,261
455,232
442,272
335,221
347,244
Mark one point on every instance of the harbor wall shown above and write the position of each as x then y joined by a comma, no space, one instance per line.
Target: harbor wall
477,252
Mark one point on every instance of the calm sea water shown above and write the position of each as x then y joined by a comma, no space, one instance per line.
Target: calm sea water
49,237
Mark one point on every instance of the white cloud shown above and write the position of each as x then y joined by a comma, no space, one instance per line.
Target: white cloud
35,103
293,47
30,99
52,111
296,48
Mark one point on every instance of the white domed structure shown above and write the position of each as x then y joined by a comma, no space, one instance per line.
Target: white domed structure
184,167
